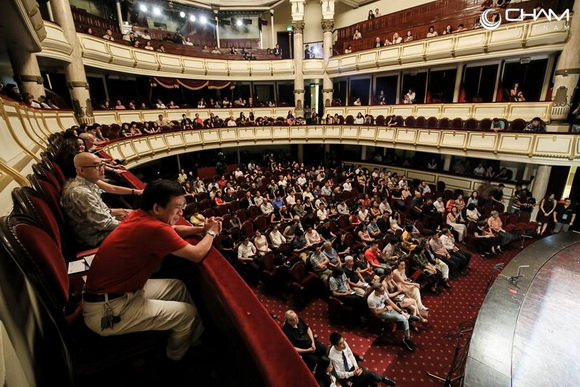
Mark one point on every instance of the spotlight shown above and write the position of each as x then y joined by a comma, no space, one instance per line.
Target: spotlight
143,8
156,11
239,23
191,18
182,14
203,20
315,50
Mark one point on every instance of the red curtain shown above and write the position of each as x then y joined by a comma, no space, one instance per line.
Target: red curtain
191,84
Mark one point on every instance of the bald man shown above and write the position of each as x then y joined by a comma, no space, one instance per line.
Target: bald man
302,338
87,214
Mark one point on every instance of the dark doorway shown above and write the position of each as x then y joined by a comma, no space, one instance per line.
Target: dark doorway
530,77
285,94
389,86
339,94
284,39
417,83
557,182
479,84
441,86
359,88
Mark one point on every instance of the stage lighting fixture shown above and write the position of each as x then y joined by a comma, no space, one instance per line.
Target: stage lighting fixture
203,20
239,23
156,11
143,8
315,50
182,14
191,18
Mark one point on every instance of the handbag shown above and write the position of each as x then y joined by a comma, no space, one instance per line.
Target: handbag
399,298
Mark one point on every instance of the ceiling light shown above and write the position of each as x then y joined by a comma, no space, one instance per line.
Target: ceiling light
143,8
203,20
156,11
182,14
239,23
191,18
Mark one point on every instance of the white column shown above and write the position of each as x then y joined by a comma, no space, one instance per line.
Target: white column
363,153
26,71
217,31
567,71
274,40
119,15
74,71
540,185
447,163
569,181
458,79
298,73
49,10
327,87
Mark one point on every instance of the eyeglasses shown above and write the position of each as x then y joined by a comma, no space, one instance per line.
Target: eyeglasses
100,165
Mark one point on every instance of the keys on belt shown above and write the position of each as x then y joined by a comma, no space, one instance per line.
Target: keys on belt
101,297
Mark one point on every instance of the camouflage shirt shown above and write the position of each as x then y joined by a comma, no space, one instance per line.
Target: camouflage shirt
87,214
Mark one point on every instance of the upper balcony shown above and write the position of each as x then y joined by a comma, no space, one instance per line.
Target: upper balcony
523,38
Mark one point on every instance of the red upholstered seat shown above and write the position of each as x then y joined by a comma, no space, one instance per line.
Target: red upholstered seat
485,124
517,125
432,122
50,194
471,124
421,122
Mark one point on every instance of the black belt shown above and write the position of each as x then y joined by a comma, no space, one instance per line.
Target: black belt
100,297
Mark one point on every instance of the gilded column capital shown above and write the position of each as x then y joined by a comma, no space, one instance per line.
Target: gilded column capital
327,25
298,26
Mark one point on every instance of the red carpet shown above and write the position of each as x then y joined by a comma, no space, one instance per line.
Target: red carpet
434,352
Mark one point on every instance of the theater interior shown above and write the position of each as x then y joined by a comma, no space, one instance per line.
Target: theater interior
424,115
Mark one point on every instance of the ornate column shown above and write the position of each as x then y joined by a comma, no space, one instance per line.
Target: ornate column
458,79
298,74
217,29
298,27
327,87
26,72
119,14
274,40
76,78
567,71
540,184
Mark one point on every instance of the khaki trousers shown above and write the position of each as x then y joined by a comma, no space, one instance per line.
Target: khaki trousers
162,304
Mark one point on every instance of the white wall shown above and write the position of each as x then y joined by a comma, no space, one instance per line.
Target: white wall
346,16
312,18
282,19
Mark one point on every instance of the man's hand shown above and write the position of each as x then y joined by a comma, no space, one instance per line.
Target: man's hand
357,371
214,224
120,213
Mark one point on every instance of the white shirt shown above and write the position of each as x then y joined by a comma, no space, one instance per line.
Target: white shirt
439,206
359,121
267,208
307,195
336,357
232,123
322,214
290,200
376,302
313,237
301,180
385,207
277,238
448,242
342,209
246,251
258,200
347,187
426,189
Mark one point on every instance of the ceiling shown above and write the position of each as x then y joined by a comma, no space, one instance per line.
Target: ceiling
254,4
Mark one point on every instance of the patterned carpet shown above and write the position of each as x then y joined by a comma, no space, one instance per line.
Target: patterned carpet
435,341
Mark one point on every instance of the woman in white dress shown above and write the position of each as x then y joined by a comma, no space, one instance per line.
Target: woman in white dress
410,288
455,220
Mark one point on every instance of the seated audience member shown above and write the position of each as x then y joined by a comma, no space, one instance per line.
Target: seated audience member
432,33
391,251
396,38
456,264
422,261
261,243
248,255
535,126
302,338
354,277
496,225
373,256
340,288
332,255
485,241
455,220
109,35
410,288
325,374
516,94
377,42
448,30
377,13
409,36
161,48
381,306
460,28
359,120
277,51
276,237
348,49
320,264
313,238
120,298
186,122
411,96
564,216
148,46
216,50
161,121
371,15
357,35
448,241
89,217
497,125
346,366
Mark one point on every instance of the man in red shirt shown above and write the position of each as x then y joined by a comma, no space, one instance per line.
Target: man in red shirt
120,298
373,254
